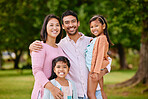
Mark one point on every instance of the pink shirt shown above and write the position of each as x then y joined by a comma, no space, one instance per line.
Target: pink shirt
76,54
42,66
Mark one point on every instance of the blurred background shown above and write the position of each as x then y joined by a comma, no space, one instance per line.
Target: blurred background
20,25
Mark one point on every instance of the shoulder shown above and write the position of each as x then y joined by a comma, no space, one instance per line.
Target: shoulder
87,37
62,41
40,52
102,38
72,82
45,45
53,81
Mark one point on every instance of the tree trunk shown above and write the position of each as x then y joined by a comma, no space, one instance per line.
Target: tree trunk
0,60
18,54
142,72
122,58
144,52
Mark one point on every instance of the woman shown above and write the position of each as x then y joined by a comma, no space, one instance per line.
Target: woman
51,33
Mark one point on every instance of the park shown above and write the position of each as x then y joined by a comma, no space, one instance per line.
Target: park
20,25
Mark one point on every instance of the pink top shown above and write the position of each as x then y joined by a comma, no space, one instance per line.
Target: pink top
42,67
76,54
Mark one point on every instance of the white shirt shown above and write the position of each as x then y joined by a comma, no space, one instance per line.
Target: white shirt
76,54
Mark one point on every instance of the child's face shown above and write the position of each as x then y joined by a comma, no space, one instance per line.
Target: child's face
61,69
96,27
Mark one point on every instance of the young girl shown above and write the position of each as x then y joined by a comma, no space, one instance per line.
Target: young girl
60,68
96,55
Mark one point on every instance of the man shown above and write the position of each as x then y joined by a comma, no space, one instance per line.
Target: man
74,45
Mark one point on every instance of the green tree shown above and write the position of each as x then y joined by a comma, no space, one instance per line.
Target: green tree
21,21
123,24
141,75
16,27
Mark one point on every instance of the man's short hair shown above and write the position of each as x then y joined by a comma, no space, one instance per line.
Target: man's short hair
67,13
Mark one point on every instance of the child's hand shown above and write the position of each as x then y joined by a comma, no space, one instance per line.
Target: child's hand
35,46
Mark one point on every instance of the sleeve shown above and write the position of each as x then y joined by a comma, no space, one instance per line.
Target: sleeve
109,65
47,94
38,59
99,52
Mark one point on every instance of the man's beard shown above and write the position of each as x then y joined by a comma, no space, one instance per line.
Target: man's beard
73,33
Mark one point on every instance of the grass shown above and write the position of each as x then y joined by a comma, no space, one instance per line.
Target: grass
16,84
126,92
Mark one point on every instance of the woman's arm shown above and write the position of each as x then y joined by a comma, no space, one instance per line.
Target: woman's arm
37,68
55,91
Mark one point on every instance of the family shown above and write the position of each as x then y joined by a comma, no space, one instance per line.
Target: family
72,67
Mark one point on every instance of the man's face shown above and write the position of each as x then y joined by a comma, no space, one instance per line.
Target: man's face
70,25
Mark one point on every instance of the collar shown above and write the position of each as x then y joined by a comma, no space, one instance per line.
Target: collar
82,36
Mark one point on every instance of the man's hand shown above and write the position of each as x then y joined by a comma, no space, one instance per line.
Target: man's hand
35,46
95,76
98,76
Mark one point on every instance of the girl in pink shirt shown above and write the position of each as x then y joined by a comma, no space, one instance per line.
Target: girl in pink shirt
51,33
96,55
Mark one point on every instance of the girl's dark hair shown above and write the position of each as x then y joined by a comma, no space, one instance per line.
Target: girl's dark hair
54,61
67,13
102,20
43,33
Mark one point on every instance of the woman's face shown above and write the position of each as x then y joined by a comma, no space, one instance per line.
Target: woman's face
53,28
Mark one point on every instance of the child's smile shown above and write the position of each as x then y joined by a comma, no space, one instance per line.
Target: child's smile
96,27
61,69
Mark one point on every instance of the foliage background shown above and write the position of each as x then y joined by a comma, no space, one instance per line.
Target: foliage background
21,22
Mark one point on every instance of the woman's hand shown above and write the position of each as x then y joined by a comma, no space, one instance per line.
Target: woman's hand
35,46
55,91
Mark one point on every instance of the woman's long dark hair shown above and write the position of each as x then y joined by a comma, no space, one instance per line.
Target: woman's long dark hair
43,33
102,20
60,58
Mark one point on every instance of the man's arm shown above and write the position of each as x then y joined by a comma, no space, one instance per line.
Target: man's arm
108,67
35,46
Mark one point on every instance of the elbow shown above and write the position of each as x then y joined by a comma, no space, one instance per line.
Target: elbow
35,70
